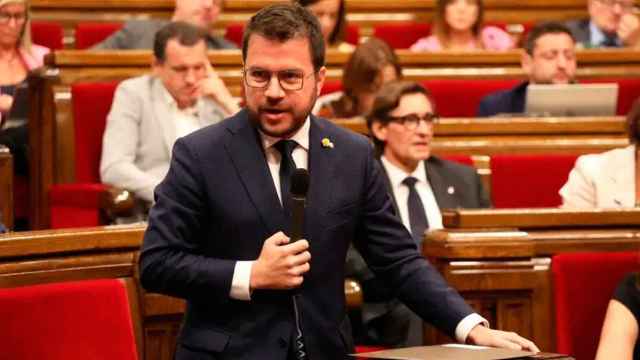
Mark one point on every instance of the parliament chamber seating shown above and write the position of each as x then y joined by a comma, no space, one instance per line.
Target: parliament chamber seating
88,34
90,319
234,33
583,283
49,34
401,35
81,203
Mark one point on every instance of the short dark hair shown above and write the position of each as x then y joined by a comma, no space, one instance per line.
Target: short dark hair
185,33
544,28
339,31
283,22
387,99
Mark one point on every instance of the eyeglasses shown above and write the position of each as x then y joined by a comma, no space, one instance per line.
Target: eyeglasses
291,80
624,5
411,121
5,17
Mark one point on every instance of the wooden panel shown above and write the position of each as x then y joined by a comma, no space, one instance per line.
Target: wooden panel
6,187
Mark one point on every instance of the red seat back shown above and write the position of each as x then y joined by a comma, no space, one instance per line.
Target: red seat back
628,91
460,98
331,86
401,35
91,105
47,34
524,181
352,34
72,320
583,283
91,33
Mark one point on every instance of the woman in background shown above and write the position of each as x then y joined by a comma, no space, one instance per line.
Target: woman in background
333,21
458,26
371,65
17,57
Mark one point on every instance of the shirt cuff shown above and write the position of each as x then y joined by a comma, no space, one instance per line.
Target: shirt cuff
241,281
467,324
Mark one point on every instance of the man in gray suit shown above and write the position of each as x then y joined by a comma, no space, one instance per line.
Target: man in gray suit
420,184
150,112
139,34
611,23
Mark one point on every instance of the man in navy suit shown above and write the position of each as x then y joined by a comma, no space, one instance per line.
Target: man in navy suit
549,58
611,23
217,233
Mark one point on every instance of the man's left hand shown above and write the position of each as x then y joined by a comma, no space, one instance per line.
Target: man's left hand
482,335
213,87
629,30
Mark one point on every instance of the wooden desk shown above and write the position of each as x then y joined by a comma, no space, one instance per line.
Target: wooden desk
500,260
6,187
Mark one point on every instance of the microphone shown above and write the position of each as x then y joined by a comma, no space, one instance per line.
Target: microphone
299,187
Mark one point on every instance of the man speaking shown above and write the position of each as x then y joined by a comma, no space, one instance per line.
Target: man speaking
217,234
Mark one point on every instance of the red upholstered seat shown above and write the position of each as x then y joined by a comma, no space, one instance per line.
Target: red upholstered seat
72,320
628,91
401,35
331,86
460,98
234,33
91,33
78,204
47,34
583,283
523,181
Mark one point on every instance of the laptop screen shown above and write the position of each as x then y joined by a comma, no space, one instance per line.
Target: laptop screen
572,99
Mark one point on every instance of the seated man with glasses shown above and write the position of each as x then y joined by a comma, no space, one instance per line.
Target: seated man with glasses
401,124
150,112
611,23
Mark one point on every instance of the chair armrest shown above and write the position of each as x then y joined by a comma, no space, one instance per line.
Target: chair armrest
353,293
111,201
116,202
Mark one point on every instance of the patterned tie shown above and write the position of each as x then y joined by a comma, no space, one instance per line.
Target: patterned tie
417,215
287,168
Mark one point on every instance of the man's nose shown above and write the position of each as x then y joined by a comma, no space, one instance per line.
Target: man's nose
274,90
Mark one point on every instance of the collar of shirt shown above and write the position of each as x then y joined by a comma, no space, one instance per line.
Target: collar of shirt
173,104
397,175
301,137
598,36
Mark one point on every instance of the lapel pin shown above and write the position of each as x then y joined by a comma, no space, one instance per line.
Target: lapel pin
327,143
451,190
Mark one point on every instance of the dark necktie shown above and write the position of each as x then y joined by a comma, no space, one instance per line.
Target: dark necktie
417,215
610,41
287,168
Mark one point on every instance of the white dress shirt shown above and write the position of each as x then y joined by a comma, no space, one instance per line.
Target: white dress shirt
186,120
434,216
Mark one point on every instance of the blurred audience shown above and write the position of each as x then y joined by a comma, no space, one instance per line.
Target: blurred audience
619,337
17,57
610,179
549,58
611,23
139,34
458,26
333,21
420,184
150,112
371,65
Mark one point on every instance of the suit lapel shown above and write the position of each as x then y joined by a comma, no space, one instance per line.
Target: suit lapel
322,161
621,178
438,185
387,181
247,155
162,113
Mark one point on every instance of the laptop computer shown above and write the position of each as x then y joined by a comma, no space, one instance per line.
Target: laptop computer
19,112
571,99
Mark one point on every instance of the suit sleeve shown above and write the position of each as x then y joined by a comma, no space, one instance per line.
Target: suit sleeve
119,146
579,190
484,108
172,260
393,256
120,40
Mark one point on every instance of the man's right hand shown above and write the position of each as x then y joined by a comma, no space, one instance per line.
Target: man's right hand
6,101
281,265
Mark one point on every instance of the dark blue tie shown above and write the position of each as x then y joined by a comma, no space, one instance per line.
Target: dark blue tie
417,216
287,168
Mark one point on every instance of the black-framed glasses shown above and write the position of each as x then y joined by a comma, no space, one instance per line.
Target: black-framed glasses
290,79
411,121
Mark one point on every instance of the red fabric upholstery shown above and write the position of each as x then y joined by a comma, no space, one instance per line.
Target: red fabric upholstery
47,34
460,98
628,91
401,35
78,204
331,86
519,181
91,33
74,320
234,33
20,197
582,286
462,159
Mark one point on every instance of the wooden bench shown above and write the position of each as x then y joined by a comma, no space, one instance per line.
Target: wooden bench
500,260
6,187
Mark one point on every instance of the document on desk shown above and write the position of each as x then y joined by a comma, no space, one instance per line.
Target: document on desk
446,352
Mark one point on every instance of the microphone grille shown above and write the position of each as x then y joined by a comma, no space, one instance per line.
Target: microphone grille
300,182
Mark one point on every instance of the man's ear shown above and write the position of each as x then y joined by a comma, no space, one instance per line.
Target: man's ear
526,61
155,66
320,76
379,130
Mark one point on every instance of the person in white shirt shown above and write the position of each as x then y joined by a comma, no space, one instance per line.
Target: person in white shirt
150,112
401,124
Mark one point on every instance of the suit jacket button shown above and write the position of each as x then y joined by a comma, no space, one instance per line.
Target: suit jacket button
282,342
